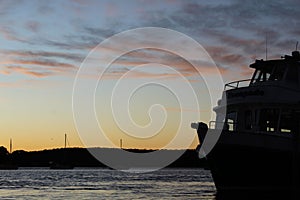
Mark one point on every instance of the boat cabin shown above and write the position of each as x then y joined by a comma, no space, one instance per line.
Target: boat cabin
268,102
285,70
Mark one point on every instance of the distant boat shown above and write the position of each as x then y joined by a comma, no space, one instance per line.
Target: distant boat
63,164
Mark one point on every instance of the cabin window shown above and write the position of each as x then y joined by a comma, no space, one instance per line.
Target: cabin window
231,120
257,76
286,121
277,73
248,120
261,76
269,73
268,120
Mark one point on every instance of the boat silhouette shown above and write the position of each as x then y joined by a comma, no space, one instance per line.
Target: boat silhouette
63,164
258,148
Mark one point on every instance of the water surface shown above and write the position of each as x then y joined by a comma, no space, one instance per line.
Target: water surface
106,184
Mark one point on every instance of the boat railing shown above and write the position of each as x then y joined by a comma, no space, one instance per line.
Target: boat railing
237,84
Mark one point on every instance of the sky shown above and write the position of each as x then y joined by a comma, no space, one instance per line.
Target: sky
44,43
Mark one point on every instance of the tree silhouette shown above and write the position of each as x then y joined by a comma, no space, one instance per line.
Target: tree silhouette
4,155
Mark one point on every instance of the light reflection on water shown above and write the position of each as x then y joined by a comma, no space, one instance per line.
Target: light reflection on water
106,184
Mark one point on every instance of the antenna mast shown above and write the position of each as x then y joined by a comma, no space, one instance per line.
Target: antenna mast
10,145
266,46
297,46
65,140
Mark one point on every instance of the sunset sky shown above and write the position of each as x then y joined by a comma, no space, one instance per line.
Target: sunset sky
43,44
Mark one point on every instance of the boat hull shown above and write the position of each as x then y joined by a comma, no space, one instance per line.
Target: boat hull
245,161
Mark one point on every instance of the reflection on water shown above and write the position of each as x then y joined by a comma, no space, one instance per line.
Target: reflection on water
106,184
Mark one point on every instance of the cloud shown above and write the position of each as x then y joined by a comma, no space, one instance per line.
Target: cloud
44,62
26,71
9,34
224,56
99,32
133,63
38,67
237,27
62,45
72,42
135,74
233,32
43,54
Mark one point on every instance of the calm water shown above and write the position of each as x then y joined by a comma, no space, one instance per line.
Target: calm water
106,184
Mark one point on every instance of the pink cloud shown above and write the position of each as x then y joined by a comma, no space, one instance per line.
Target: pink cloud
27,71
44,63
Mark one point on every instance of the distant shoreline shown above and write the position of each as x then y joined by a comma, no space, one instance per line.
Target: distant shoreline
81,157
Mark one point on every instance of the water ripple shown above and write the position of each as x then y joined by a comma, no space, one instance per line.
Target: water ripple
106,184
